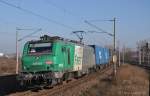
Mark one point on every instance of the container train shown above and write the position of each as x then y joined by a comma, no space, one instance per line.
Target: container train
52,60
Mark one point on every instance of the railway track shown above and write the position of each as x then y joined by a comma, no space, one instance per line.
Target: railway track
145,66
59,89
8,84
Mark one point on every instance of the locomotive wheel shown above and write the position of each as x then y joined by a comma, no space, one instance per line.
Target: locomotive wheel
59,81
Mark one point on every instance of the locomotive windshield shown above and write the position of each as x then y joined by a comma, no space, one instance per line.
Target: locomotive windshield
40,48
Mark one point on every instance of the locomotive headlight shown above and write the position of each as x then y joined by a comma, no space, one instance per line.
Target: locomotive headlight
48,62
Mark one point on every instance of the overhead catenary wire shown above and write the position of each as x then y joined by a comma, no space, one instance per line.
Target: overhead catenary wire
79,34
36,14
64,10
29,35
98,20
101,30
77,16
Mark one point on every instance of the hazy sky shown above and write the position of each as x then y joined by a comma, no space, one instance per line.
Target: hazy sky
133,20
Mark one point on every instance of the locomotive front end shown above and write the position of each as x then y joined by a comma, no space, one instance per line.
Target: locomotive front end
37,57
37,63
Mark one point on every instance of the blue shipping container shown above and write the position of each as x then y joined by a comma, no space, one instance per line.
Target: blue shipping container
107,55
101,55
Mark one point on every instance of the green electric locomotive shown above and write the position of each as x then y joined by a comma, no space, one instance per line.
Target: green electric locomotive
52,59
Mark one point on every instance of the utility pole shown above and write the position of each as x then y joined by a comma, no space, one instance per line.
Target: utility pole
17,59
114,40
114,21
140,56
143,51
139,52
148,58
123,54
114,53
118,53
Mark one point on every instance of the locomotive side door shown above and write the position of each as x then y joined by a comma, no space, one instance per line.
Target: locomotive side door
66,57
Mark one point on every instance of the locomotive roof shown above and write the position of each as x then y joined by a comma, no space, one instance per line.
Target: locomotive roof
47,38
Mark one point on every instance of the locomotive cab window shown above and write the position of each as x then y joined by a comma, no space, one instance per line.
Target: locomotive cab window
40,48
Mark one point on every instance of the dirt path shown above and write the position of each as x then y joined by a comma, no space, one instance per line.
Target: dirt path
130,81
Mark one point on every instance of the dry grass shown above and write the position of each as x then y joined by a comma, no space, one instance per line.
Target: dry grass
130,81
7,65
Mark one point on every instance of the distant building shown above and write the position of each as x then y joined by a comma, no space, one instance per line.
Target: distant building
1,54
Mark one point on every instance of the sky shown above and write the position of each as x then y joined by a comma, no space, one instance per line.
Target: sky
62,17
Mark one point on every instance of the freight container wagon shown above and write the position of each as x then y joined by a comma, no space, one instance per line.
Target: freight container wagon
107,55
88,59
102,55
